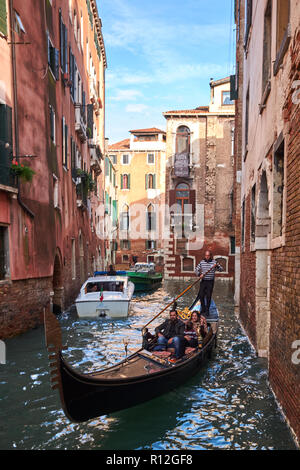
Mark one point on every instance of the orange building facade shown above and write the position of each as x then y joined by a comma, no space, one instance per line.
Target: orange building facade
140,197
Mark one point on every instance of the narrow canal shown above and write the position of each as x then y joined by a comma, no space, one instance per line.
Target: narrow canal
228,405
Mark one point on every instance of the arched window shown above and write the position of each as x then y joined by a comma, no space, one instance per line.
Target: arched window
125,181
150,181
124,218
183,140
150,218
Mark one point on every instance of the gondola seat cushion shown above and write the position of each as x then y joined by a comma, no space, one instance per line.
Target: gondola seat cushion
163,354
189,350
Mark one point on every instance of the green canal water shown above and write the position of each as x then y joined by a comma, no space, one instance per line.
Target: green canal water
227,405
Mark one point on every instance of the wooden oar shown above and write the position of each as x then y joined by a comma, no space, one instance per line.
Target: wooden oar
178,297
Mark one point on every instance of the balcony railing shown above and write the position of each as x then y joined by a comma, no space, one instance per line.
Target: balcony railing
80,121
182,167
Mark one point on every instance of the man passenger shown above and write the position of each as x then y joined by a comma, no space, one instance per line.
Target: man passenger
171,334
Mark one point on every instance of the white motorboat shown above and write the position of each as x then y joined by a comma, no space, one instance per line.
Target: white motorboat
105,297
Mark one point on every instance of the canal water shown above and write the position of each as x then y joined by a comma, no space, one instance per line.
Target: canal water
227,405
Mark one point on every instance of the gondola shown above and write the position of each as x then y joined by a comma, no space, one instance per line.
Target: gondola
140,377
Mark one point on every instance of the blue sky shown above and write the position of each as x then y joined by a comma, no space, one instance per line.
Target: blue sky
161,56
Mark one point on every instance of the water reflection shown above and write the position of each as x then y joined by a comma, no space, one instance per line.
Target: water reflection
228,405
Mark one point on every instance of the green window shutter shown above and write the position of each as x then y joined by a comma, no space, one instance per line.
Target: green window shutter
128,181
66,146
63,140
154,181
146,181
121,181
3,17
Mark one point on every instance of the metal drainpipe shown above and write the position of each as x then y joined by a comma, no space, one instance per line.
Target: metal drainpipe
14,71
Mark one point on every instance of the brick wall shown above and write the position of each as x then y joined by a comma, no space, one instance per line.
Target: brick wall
284,376
22,304
248,280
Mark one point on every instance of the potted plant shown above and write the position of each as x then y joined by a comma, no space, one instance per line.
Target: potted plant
23,171
87,181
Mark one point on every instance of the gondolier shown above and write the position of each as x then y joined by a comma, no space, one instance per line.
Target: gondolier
206,271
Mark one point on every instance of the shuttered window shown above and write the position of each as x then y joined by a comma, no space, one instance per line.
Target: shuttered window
90,120
52,124
248,21
64,143
63,45
53,59
150,181
125,181
3,17
5,144
4,253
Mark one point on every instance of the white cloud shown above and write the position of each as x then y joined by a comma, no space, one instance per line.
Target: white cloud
165,75
126,95
136,108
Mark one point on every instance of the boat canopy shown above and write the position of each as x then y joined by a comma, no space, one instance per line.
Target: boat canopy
105,284
144,267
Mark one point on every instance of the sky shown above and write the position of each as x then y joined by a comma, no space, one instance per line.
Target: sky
161,56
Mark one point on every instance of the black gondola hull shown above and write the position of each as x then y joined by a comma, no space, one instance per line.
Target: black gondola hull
85,397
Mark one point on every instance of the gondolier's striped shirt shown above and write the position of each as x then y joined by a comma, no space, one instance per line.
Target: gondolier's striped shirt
204,266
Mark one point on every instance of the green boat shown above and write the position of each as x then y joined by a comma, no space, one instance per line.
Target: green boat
144,277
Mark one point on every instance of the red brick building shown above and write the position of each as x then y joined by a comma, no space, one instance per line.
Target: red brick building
267,191
199,185
52,121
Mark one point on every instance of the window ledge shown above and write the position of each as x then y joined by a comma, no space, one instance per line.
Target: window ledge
8,189
278,242
265,96
5,281
282,50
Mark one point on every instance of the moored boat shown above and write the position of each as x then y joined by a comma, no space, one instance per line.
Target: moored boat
144,277
105,297
142,376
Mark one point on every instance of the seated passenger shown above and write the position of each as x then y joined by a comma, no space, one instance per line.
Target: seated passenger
199,323
190,336
171,334
92,288
203,326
